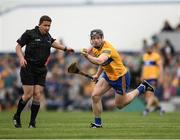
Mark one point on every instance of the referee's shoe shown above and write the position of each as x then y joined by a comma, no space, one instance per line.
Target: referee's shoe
17,121
32,125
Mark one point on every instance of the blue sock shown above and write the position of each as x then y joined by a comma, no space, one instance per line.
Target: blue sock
98,121
141,89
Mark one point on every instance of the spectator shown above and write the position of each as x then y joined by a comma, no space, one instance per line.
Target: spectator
168,52
167,27
177,28
144,45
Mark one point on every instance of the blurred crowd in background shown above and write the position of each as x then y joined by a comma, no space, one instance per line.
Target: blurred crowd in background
66,92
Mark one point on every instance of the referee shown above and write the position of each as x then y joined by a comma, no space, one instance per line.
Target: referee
33,72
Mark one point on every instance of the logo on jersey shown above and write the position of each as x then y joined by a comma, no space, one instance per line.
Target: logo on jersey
37,39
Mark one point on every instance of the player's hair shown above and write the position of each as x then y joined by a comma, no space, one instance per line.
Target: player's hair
44,18
97,32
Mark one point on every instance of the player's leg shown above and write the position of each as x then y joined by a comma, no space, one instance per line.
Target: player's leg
28,92
38,90
152,102
100,88
149,99
157,106
156,102
27,81
122,98
40,76
125,99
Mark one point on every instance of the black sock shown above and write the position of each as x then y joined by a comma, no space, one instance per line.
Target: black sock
20,106
34,110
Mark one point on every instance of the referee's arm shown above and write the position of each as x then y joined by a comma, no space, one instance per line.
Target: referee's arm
59,46
20,55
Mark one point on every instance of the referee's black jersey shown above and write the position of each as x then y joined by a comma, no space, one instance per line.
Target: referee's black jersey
38,46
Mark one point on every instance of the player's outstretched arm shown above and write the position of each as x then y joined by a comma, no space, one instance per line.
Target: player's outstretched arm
95,60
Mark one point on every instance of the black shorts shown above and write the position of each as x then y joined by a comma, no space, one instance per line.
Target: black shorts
33,75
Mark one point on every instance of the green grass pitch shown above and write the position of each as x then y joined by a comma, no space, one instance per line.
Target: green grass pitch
75,125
